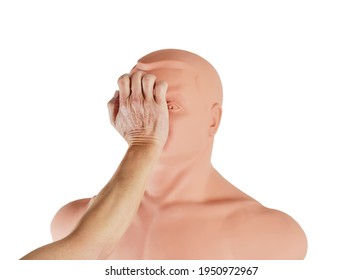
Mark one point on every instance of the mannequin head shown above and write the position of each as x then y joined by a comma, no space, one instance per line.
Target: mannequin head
194,98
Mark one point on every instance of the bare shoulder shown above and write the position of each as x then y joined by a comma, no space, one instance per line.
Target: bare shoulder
257,232
67,217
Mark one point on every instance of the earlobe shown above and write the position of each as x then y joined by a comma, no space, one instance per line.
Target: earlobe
216,115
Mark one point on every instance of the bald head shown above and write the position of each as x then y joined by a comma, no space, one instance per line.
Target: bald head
206,77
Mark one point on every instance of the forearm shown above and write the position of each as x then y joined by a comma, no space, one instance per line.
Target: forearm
112,210
139,112
60,250
110,214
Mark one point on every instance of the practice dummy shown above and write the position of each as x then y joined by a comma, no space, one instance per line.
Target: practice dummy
188,210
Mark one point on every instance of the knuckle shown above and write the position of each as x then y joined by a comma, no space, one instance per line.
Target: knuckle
161,85
149,77
137,75
164,84
123,79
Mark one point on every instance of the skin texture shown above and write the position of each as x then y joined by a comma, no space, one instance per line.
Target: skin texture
141,117
188,210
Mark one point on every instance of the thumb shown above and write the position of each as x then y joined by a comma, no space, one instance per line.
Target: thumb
113,106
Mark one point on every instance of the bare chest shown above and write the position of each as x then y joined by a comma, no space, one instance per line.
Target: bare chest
183,233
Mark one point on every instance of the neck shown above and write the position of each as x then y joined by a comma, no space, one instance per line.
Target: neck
181,182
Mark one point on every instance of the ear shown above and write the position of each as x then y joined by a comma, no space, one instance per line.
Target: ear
216,115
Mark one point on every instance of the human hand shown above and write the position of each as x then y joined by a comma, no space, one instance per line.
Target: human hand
138,110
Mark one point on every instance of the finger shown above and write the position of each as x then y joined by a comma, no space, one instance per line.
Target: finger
148,81
124,87
160,92
113,107
136,88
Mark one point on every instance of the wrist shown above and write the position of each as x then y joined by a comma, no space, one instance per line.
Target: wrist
153,150
144,139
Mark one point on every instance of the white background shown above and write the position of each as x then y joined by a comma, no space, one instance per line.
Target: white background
291,134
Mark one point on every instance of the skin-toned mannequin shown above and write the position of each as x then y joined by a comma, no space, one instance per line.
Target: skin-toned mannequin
188,210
